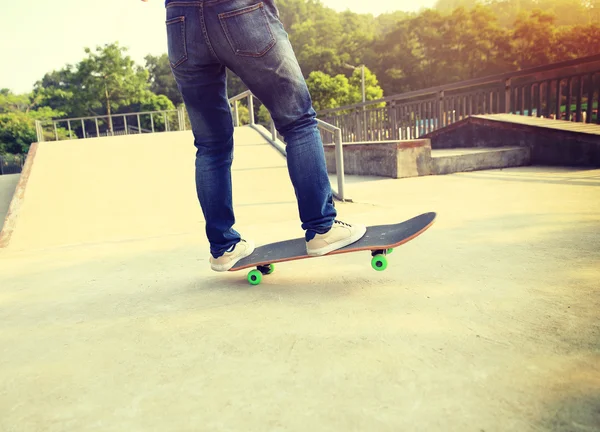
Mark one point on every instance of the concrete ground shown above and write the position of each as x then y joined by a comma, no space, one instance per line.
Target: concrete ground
487,322
8,183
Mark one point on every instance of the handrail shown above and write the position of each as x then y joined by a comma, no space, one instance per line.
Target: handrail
328,127
240,96
336,131
61,120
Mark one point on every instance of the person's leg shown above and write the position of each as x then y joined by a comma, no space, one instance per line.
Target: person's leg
250,39
201,80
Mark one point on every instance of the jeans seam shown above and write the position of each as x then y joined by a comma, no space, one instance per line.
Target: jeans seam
241,11
214,2
205,33
184,3
183,39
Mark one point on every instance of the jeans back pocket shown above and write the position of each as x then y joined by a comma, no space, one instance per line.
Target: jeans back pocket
248,30
176,41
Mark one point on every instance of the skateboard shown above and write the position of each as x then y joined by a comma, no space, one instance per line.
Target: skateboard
380,240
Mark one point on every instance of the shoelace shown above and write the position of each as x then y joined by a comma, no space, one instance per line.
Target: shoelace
341,223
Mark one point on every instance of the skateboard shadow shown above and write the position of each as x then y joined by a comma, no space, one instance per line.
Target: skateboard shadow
295,284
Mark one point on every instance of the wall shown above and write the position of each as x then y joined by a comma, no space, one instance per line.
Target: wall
395,159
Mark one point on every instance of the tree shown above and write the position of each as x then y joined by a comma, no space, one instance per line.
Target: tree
372,89
104,82
111,77
577,41
333,91
161,79
534,39
18,114
327,91
434,49
454,41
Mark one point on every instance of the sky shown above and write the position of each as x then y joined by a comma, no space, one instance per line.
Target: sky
38,36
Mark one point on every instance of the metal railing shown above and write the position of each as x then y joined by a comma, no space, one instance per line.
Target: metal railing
11,164
113,125
330,134
236,112
568,90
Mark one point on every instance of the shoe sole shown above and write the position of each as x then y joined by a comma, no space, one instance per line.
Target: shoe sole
335,246
226,267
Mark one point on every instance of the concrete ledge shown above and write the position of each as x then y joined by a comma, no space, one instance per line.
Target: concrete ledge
463,160
395,159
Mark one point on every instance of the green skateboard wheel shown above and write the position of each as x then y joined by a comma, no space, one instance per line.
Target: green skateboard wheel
379,262
254,277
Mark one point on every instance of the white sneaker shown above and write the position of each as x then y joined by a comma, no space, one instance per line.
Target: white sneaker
341,234
229,259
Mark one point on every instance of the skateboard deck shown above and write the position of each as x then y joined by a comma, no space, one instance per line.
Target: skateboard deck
379,239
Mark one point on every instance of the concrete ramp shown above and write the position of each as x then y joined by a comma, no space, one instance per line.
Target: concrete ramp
487,322
114,189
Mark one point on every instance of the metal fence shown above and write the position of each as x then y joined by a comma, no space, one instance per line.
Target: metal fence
568,91
11,164
114,125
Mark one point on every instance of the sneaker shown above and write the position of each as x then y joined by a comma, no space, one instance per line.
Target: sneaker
341,234
231,257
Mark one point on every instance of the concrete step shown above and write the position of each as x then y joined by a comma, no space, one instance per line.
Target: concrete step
448,161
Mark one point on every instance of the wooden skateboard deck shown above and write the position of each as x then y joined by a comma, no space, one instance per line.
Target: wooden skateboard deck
379,239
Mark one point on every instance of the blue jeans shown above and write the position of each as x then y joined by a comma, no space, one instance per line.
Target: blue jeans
246,36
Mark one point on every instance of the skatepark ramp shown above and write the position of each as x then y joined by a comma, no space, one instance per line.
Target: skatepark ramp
122,188
550,142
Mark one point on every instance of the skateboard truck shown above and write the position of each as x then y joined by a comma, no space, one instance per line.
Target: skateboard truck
378,262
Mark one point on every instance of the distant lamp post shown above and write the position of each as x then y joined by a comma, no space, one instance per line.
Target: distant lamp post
362,68
364,95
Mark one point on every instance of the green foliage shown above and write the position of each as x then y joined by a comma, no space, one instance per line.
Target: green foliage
534,37
105,82
372,89
264,117
17,131
331,92
456,40
434,49
161,78
18,114
243,112
327,91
